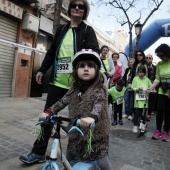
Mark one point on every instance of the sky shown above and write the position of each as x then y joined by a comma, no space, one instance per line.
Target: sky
104,22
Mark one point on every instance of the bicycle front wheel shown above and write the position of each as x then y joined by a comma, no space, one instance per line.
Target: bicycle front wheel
52,165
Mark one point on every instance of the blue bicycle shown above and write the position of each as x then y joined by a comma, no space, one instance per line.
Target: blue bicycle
56,149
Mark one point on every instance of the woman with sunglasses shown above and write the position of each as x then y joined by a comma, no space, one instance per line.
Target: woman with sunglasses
69,39
139,60
163,98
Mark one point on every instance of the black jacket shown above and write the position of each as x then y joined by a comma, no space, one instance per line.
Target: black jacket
151,72
84,37
128,80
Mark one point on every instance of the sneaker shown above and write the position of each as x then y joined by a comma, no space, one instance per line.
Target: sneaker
165,137
120,122
156,135
130,117
32,158
143,127
124,116
114,123
135,129
148,117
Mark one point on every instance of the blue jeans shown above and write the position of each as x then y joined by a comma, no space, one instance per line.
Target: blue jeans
129,102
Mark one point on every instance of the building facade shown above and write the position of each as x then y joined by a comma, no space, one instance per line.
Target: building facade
29,23
15,63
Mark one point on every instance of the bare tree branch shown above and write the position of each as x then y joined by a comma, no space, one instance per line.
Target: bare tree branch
127,6
157,4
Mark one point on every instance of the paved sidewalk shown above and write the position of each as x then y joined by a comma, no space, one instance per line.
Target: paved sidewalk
127,152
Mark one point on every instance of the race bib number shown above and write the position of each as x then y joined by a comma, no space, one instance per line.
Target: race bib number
140,96
64,65
119,100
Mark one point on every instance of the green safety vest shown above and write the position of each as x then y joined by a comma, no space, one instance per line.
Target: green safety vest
107,66
63,76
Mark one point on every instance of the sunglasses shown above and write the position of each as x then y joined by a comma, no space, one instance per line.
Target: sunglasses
80,6
148,58
139,54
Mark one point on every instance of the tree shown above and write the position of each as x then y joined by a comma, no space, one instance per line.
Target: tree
57,12
127,9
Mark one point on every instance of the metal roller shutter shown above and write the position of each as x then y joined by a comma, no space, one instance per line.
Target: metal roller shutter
8,31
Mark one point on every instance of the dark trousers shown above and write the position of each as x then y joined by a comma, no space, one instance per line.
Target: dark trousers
163,113
54,94
138,115
152,102
117,109
129,102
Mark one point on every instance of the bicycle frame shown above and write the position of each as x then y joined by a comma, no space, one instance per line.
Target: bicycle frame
55,152
78,166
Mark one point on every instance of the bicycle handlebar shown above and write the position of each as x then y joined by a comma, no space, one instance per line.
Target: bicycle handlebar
92,125
73,125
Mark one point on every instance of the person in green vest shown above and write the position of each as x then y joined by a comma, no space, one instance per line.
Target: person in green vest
68,40
139,60
107,66
116,98
140,84
162,80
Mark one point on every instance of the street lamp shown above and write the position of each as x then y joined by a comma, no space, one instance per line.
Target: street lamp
138,28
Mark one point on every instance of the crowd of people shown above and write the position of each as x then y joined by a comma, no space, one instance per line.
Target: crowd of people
85,78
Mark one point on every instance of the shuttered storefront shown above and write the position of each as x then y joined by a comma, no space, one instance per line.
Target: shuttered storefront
8,32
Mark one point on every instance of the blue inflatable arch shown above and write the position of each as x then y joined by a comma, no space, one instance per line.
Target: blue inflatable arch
157,29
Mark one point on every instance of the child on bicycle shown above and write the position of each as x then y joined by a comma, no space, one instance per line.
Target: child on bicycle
140,84
87,101
116,96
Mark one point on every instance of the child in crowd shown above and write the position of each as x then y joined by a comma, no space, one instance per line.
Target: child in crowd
140,84
116,97
86,100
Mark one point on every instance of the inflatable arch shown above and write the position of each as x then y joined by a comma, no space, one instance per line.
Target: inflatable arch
157,29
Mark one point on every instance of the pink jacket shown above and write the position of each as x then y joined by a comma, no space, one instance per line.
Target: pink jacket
118,73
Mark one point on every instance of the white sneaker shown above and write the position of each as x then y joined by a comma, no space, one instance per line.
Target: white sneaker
143,127
124,116
130,117
135,129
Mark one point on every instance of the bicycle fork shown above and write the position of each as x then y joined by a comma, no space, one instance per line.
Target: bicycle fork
55,151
